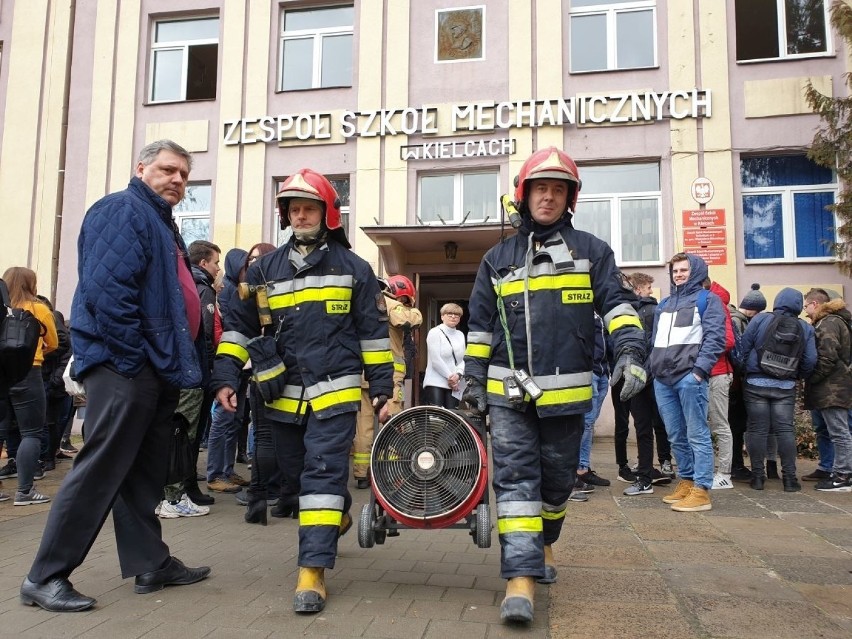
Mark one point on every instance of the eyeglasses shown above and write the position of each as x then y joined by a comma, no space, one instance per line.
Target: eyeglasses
453,314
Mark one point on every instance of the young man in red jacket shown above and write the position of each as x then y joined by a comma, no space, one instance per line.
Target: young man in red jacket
721,376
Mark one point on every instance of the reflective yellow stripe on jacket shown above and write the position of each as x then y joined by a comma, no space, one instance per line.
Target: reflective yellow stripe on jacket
234,345
314,288
478,345
566,388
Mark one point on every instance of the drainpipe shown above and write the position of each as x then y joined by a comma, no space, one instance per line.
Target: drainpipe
63,142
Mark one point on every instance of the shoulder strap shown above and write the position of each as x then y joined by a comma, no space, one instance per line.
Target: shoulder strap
701,302
452,349
4,294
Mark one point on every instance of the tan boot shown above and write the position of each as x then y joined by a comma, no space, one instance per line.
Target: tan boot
517,606
549,567
680,492
345,525
310,591
697,500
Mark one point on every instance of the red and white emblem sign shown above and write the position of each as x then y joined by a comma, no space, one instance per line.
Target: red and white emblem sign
702,190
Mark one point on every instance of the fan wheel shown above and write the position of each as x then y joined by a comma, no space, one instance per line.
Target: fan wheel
428,467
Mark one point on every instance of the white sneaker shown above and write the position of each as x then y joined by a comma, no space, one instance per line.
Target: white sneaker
184,508
721,481
198,511
165,510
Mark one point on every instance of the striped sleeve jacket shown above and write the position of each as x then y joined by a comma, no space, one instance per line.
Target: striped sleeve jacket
548,294
327,325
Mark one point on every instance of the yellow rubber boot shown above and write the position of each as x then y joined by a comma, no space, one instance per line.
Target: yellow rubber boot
310,591
683,488
549,567
517,606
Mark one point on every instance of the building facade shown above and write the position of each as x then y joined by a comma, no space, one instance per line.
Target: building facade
687,119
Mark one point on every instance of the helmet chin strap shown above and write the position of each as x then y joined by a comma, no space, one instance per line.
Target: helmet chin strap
307,239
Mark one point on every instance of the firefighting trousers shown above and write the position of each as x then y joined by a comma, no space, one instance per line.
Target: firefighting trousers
534,462
315,456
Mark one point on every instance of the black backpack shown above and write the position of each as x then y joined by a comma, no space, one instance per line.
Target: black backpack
781,350
20,332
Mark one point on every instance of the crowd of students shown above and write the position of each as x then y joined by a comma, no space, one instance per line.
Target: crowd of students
752,373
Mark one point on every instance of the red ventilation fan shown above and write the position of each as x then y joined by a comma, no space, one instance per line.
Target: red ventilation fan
429,469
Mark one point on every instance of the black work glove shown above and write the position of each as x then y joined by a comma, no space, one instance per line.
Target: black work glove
268,370
474,396
378,403
635,376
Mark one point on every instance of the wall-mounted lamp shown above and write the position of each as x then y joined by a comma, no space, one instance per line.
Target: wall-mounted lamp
451,249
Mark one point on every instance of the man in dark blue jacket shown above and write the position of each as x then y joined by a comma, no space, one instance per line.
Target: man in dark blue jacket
134,319
688,339
770,400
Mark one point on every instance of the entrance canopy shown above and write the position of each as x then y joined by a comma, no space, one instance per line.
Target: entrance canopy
404,247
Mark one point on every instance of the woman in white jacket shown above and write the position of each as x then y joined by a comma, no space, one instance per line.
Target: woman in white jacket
445,346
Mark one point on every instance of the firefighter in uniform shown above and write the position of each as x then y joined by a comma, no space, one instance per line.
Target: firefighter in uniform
402,318
529,362
311,326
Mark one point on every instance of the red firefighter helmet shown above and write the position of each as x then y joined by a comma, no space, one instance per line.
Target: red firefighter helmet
401,286
549,163
306,183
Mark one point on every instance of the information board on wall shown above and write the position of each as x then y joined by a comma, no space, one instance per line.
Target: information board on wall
704,234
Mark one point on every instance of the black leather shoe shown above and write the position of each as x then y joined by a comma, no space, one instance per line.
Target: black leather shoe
256,512
362,483
174,574
288,507
757,482
741,474
791,485
57,595
195,494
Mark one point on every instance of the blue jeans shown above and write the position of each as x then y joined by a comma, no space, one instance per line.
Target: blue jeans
600,384
683,409
222,440
824,445
837,424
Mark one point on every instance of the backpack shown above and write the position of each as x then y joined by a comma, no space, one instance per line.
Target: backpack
736,353
781,349
20,332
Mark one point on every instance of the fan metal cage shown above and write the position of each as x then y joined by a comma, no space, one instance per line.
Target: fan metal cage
429,467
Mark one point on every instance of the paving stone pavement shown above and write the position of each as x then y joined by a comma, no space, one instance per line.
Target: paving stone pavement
760,564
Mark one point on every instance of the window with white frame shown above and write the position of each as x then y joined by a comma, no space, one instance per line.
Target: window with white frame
772,29
192,213
785,208
621,204
316,48
458,198
340,184
613,34
184,60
